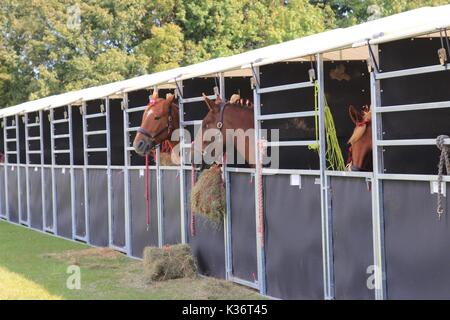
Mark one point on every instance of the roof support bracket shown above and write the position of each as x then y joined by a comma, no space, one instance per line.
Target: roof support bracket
444,51
372,62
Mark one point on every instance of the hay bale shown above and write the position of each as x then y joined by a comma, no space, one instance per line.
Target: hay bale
165,159
208,195
170,262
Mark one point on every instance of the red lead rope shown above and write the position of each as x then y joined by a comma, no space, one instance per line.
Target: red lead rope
147,194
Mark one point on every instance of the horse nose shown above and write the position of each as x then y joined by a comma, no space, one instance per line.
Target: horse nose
142,147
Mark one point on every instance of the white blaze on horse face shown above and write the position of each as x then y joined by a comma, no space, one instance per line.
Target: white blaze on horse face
149,113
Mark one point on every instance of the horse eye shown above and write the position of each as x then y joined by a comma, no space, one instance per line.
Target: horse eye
157,118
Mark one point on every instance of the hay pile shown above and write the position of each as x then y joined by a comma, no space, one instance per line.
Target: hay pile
208,195
170,262
165,159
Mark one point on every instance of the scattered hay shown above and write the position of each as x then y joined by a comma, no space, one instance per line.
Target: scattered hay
166,159
171,262
208,195
91,258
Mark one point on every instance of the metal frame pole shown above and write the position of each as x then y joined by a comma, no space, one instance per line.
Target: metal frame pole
52,140
27,174
5,137
326,216
377,188
258,177
85,173
183,211
227,217
41,149
126,174
159,198
72,174
19,176
109,172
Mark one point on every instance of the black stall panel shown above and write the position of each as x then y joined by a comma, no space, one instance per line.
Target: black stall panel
80,214
2,192
416,242
243,226
23,194
293,239
171,207
63,205
118,208
352,238
48,198
141,236
421,88
35,204
98,207
13,200
208,243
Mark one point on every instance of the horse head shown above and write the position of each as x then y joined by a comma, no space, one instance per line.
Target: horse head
222,117
361,140
159,120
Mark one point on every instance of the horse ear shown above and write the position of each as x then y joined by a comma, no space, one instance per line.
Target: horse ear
354,114
208,102
218,100
169,98
155,94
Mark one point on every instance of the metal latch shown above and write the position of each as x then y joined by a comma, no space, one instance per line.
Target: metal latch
442,53
312,75
434,188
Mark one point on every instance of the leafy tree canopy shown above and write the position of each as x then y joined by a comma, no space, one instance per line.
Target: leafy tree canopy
53,46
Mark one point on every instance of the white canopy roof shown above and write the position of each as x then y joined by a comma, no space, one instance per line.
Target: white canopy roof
412,23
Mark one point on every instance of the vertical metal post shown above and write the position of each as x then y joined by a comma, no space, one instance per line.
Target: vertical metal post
377,188
227,217
72,174
19,190
41,149
327,245
5,137
259,181
159,197
85,173
183,211
27,167
52,139
126,174
109,173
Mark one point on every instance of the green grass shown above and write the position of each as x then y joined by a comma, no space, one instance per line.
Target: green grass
34,266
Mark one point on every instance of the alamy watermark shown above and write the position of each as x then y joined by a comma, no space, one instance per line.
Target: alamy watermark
73,281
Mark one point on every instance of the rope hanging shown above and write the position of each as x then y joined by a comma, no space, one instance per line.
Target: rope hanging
333,153
444,159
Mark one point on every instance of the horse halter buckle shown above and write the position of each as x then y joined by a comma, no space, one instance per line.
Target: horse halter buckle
219,125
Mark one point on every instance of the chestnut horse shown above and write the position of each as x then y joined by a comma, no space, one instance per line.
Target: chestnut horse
233,117
159,121
360,150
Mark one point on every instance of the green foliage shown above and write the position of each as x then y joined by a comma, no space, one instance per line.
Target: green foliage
52,46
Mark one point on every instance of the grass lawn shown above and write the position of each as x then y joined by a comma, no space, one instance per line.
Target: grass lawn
34,266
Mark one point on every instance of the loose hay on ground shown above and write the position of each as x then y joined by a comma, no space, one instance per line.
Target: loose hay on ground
208,195
171,262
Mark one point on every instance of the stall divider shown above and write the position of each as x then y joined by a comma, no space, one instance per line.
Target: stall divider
183,200
160,198
5,137
326,205
53,151
377,186
126,173
43,195
19,175
27,167
259,207
72,177
85,174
